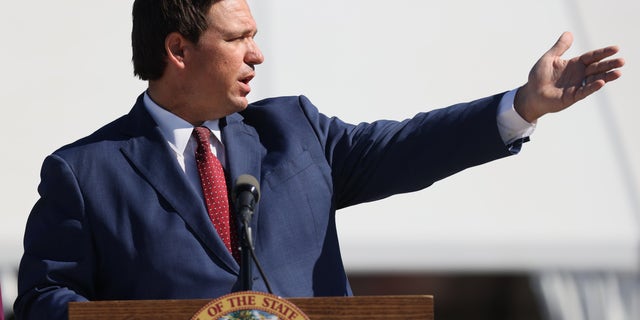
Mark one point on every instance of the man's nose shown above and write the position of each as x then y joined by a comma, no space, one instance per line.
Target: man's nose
254,55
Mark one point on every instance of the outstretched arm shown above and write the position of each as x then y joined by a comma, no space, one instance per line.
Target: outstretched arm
555,84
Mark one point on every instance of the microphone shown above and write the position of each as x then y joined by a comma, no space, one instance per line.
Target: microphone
246,194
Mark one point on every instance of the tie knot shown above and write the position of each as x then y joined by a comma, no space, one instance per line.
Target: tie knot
202,135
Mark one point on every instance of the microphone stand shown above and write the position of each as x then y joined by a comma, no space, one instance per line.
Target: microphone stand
246,247
246,195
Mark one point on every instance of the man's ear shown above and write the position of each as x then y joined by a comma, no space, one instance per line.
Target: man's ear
174,45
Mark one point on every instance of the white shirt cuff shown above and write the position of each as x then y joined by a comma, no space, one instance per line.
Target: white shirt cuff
510,124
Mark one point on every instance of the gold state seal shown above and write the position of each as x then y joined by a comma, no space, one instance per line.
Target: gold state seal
250,305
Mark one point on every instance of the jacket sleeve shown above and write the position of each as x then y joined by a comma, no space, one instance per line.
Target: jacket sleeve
371,161
57,262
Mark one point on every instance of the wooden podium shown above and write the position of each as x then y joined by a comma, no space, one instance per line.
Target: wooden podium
364,307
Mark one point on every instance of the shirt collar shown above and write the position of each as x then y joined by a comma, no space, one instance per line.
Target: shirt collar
176,130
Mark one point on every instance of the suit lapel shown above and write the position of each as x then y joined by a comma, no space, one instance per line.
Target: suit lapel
148,151
244,154
243,148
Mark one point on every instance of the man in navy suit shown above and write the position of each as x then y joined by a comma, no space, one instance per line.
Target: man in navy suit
122,214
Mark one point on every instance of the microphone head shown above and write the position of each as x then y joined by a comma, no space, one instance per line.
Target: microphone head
247,182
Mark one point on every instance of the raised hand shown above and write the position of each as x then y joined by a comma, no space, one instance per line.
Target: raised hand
555,84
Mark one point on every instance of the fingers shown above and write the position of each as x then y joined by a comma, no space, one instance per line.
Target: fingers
598,54
595,82
604,76
603,66
588,89
562,45
598,71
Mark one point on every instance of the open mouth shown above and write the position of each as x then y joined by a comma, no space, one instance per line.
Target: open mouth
246,79
245,87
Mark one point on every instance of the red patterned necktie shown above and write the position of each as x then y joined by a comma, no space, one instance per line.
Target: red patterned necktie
214,187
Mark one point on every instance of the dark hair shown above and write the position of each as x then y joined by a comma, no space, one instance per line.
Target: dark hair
153,20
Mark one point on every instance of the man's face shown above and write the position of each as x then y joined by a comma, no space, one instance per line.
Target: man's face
221,64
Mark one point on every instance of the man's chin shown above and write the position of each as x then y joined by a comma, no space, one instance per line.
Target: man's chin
239,104
243,102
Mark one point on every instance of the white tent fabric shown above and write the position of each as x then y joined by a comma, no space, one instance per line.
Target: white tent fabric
589,295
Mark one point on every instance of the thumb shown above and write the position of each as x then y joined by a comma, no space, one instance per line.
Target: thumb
562,45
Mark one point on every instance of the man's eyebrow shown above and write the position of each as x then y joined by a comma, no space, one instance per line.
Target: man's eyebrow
251,31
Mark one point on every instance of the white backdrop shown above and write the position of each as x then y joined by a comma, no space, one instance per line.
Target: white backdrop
568,201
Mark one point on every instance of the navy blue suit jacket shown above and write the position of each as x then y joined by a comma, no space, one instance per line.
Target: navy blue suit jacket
117,219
